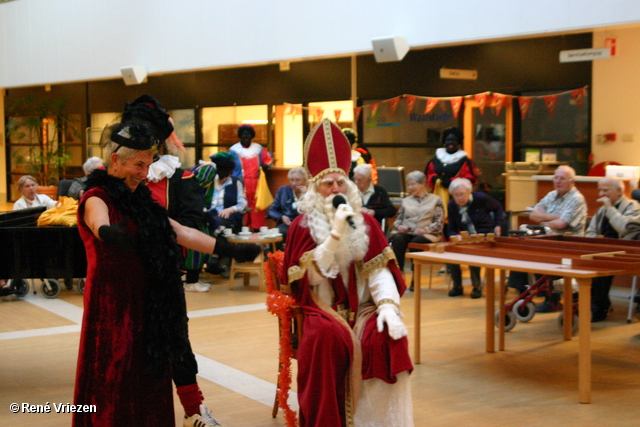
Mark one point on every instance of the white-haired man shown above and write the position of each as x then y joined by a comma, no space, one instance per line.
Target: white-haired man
563,210
611,221
345,277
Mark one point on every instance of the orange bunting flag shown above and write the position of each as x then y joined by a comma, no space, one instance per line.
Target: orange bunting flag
431,104
481,99
393,104
524,102
456,103
578,95
500,101
356,113
374,108
411,102
550,102
337,113
319,114
290,109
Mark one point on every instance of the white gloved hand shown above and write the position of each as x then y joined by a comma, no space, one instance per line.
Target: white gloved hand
339,226
389,314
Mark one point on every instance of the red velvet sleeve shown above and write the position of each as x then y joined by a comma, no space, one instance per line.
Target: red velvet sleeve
431,174
468,170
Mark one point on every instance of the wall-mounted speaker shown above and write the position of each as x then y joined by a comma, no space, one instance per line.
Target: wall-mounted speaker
134,75
387,49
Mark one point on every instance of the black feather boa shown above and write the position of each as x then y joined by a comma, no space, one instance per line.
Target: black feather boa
165,309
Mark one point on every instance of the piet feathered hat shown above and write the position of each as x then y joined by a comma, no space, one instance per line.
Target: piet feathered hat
326,150
135,134
147,108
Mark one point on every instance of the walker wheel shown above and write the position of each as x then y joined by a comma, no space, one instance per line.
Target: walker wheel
50,288
524,312
574,325
509,320
22,287
80,285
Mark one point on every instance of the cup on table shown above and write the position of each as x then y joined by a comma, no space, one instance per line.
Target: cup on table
245,230
228,232
264,229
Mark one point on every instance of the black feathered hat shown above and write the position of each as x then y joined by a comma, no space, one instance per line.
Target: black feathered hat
134,134
147,108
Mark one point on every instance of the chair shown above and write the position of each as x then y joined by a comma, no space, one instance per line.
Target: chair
280,303
63,187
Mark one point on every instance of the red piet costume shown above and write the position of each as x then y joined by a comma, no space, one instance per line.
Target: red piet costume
252,158
342,350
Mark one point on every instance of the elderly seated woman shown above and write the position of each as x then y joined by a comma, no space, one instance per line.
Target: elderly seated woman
284,208
419,219
474,212
28,187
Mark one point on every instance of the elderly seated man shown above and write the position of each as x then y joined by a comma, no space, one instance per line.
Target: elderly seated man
284,208
611,221
375,200
562,210
474,212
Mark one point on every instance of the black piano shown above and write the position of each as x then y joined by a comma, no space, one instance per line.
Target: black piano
48,253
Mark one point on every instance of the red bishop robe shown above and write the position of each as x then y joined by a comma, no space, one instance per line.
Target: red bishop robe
328,349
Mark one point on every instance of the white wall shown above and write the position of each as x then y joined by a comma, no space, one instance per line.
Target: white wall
45,42
616,98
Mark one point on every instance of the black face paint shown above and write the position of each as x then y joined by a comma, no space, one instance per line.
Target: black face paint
452,148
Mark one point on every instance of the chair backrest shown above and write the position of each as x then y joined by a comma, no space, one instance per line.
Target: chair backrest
63,187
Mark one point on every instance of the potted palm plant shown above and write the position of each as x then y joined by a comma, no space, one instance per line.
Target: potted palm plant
38,129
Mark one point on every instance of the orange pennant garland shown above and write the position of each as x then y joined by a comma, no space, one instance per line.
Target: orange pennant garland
319,114
356,113
524,102
337,113
578,95
550,102
500,101
456,103
393,104
411,102
290,109
481,99
374,108
431,104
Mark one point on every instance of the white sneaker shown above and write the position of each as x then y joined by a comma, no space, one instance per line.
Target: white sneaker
196,287
203,419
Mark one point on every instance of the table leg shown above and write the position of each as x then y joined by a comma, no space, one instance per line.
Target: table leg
584,337
233,267
417,273
567,309
502,301
490,297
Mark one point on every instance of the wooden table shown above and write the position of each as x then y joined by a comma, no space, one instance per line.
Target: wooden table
256,266
582,275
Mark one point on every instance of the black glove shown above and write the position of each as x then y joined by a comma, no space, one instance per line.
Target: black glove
241,252
116,235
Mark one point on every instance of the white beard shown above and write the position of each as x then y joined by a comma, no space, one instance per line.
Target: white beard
355,242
